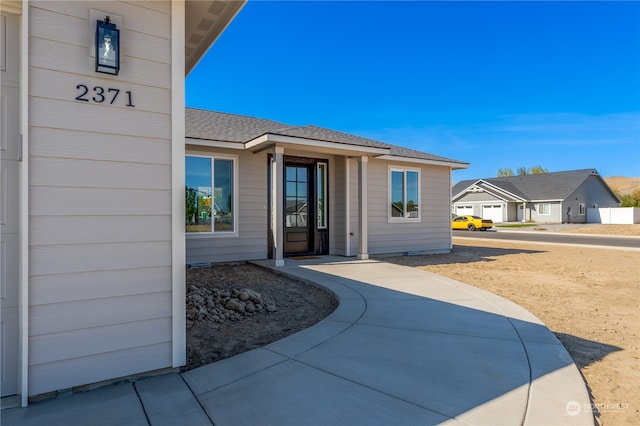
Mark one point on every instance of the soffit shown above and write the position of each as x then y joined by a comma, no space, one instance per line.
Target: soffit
204,22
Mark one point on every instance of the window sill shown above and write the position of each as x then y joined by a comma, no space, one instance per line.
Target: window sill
403,220
207,235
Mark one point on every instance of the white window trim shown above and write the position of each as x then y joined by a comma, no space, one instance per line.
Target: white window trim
582,209
540,209
324,165
403,170
236,221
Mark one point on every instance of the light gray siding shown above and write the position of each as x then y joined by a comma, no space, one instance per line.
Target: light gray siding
431,233
353,208
554,216
250,243
483,197
592,192
100,198
337,221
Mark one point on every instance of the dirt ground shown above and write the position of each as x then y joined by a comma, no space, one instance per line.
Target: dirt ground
590,298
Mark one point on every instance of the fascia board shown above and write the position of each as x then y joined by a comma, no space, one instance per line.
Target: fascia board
502,190
464,190
271,138
453,165
213,143
559,200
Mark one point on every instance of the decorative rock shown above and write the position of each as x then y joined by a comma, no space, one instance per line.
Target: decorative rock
219,305
235,305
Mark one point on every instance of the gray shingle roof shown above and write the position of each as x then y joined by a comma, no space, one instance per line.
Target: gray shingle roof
225,127
543,186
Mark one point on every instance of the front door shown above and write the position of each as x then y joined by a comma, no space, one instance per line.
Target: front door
298,214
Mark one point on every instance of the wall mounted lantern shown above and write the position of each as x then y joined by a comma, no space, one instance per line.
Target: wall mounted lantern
107,47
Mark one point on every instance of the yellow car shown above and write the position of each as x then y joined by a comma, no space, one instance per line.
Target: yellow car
471,223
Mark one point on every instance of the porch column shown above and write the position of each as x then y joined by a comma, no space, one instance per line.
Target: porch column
276,203
363,243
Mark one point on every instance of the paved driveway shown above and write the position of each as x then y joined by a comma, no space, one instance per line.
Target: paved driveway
404,347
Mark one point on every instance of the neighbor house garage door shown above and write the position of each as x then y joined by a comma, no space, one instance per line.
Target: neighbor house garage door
464,210
492,212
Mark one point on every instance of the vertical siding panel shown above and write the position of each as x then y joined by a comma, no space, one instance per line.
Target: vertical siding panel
337,207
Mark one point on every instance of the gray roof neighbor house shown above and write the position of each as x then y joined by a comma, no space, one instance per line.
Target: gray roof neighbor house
545,197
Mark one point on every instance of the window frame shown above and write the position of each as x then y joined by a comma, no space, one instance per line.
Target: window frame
404,218
582,209
541,209
234,199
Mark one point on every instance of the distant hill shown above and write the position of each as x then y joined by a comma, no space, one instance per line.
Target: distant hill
624,185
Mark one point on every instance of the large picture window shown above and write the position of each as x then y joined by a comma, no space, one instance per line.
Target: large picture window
404,194
210,194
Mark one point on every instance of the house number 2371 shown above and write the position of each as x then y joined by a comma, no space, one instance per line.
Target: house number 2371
99,94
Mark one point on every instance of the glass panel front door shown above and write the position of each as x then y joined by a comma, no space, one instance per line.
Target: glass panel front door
296,209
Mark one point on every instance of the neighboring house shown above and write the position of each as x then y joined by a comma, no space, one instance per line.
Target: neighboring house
92,194
300,190
546,197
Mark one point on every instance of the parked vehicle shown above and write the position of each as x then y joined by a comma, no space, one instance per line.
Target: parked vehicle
471,223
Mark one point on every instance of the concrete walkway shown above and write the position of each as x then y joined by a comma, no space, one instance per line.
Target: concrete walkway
404,347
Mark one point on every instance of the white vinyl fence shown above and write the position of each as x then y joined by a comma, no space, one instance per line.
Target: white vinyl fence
614,215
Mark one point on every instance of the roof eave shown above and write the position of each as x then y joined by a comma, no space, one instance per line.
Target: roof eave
453,164
497,188
258,143
205,21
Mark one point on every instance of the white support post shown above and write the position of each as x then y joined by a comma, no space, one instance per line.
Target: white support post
363,246
277,182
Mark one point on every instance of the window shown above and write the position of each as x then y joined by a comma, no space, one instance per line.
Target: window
296,195
544,209
210,194
322,195
581,209
404,195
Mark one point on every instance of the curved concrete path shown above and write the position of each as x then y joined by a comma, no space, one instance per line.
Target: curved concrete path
404,347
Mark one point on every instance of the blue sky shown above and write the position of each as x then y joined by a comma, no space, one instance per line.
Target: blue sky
496,84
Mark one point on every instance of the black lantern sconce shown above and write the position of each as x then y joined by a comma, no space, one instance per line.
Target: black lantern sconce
107,47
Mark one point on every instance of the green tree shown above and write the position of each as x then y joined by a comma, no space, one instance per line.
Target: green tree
538,170
629,200
504,172
190,205
507,171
